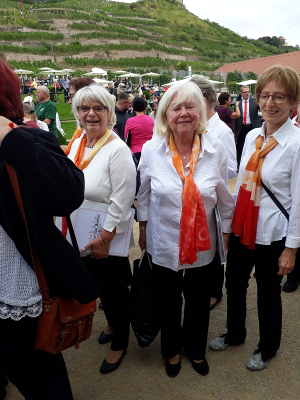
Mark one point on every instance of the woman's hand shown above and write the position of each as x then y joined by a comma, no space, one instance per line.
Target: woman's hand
142,240
5,127
226,238
99,248
286,261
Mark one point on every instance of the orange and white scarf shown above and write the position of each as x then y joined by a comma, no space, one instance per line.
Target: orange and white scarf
81,164
76,135
194,233
244,223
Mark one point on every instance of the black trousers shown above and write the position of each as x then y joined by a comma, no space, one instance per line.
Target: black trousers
240,262
193,334
138,175
240,142
37,374
217,278
66,95
113,276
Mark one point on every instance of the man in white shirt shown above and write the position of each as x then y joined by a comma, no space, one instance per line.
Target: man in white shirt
220,130
217,127
28,98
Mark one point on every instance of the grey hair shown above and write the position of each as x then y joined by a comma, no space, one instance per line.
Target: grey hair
207,89
96,93
186,91
243,87
44,89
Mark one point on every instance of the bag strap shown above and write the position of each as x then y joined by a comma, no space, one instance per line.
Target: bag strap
35,258
276,201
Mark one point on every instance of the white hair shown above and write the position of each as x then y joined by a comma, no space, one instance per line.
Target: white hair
97,93
185,91
44,89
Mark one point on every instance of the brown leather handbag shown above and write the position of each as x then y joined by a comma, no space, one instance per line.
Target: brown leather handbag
64,322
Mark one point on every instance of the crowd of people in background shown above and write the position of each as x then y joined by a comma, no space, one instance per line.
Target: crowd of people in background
177,161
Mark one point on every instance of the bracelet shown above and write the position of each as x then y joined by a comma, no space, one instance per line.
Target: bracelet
104,241
142,228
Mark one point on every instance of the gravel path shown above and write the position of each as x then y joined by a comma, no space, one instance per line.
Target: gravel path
142,375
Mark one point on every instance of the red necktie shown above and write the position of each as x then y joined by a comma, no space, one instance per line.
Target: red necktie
245,112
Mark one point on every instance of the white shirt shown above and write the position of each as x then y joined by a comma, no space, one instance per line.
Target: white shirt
43,125
218,128
294,120
248,120
110,178
159,198
28,99
280,174
19,289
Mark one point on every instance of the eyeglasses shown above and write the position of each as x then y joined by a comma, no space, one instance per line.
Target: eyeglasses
86,109
248,91
277,98
71,96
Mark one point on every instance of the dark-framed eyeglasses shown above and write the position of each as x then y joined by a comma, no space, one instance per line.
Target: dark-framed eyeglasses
277,98
248,91
86,109
71,95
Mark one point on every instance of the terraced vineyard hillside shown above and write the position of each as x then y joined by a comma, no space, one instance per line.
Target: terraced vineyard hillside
159,34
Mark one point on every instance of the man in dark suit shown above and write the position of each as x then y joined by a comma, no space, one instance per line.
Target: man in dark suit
248,120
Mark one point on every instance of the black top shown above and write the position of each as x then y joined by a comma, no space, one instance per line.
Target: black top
122,117
50,185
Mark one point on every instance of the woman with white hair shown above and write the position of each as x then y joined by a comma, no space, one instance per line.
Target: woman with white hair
183,177
109,174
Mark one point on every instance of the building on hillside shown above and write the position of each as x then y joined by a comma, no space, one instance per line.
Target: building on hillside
259,65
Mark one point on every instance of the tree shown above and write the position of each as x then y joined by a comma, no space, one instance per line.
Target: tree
182,65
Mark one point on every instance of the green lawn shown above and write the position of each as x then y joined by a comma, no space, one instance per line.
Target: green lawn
69,128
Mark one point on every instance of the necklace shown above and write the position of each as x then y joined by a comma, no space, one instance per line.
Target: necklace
90,147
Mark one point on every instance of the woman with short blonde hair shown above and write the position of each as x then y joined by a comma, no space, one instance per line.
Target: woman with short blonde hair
266,225
183,177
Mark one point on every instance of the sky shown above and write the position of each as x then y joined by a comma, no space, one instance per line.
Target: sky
254,18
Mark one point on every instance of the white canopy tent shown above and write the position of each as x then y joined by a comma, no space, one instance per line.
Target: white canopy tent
151,74
23,71
97,80
45,69
249,82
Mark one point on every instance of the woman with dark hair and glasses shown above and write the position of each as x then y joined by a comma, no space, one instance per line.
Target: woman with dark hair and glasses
50,184
265,234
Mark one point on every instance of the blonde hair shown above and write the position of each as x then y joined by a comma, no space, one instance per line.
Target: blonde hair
186,91
97,93
286,76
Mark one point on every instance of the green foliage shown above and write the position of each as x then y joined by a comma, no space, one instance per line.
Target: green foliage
182,65
30,35
147,94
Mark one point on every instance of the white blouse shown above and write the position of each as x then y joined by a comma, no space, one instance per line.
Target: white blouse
110,178
19,289
280,174
159,198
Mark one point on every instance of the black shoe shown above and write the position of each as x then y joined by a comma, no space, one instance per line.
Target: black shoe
103,338
291,285
173,370
107,368
201,368
212,306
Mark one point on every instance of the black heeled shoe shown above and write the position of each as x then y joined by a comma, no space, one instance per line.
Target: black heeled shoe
173,370
107,368
103,338
201,368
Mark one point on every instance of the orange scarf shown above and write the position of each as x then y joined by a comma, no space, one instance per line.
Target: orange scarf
244,223
76,135
81,164
194,233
